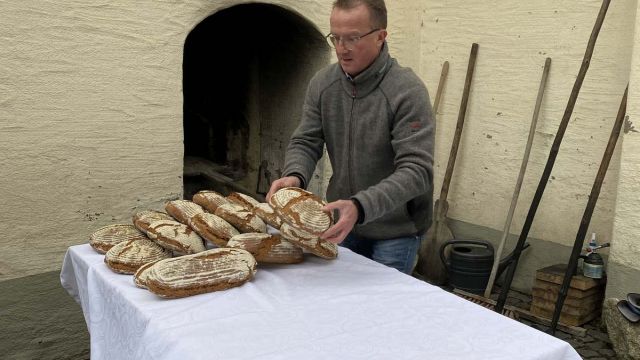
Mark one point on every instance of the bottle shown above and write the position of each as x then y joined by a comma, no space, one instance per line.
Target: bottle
593,266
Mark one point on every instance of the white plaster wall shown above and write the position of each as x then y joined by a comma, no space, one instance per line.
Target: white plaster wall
626,247
514,39
91,114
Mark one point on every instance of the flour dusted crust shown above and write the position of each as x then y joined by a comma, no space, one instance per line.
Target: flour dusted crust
266,248
142,219
213,228
209,200
309,242
301,209
265,212
106,237
140,276
175,236
241,218
127,256
183,210
211,270
243,200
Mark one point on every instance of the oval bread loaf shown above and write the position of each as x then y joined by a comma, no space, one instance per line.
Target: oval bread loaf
175,236
241,218
301,209
211,270
126,257
209,200
213,228
140,276
183,210
265,212
312,243
106,237
142,219
243,200
266,248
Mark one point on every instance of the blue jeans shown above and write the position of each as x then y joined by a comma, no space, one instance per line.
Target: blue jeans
399,253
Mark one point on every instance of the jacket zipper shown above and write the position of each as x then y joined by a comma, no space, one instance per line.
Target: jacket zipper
351,131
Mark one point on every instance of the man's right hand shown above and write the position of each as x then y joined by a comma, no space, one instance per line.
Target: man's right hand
287,181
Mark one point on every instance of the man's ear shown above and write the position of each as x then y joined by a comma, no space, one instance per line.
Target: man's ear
382,35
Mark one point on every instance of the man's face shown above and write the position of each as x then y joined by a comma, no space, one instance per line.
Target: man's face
355,22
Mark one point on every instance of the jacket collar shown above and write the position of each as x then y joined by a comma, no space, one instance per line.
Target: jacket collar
368,80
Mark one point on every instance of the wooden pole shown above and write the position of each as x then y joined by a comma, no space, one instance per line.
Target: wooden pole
504,292
588,211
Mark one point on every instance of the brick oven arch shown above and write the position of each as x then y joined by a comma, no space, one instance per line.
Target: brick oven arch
245,72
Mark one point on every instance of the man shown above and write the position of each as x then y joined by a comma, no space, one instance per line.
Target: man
375,118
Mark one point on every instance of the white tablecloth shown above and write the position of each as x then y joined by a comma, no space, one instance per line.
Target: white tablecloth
349,308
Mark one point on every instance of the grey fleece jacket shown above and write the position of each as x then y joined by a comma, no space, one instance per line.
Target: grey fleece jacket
379,132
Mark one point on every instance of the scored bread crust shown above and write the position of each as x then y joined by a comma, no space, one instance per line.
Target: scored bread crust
106,237
142,219
265,212
128,256
183,210
312,243
175,236
209,200
140,276
213,228
301,209
241,218
243,200
267,248
211,270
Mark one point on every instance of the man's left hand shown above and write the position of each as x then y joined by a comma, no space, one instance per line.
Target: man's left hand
348,218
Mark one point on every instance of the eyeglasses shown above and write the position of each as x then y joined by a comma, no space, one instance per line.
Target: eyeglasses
347,41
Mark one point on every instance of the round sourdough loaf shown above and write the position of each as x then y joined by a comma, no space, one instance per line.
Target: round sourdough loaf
175,236
309,242
213,228
268,249
126,257
209,200
301,209
140,276
142,219
265,212
106,237
211,270
243,219
183,210
243,200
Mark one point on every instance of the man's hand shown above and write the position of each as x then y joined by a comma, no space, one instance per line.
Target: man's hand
348,218
287,181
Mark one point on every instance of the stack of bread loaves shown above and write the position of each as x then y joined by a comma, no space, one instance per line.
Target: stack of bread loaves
214,242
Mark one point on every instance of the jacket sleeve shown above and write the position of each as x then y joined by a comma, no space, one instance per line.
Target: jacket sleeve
307,142
412,139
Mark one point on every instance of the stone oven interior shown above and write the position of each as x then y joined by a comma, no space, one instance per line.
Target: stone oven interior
245,71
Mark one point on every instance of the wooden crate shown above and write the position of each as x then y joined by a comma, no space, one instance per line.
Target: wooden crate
583,301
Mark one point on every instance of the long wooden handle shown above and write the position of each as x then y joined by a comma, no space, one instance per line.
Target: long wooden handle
523,169
443,76
461,115
588,211
552,156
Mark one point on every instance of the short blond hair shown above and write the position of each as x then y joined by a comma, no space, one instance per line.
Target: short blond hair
377,10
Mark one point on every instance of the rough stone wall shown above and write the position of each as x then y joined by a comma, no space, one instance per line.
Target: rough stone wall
624,267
